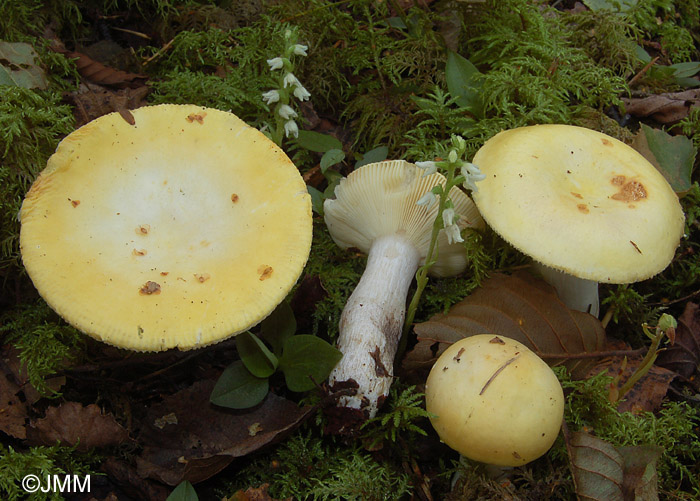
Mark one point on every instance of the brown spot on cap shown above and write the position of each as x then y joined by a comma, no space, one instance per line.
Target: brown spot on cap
516,455
605,141
149,288
458,356
74,203
583,208
264,271
618,180
197,117
234,198
143,229
631,191
577,195
635,247
497,340
202,277
139,252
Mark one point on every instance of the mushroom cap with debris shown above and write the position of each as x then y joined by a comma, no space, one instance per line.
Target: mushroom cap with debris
379,199
180,230
579,201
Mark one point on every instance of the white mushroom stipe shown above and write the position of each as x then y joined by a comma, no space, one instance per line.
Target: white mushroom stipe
376,211
372,320
576,293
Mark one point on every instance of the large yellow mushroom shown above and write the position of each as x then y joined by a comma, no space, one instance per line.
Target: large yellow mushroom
175,231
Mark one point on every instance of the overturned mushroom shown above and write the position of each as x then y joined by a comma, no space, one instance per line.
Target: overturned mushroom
584,205
191,227
375,211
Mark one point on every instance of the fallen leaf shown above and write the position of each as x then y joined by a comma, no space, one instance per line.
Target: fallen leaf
606,473
254,494
72,424
98,73
13,412
517,306
664,108
683,357
648,393
204,442
18,67
92,101
673,156
127,478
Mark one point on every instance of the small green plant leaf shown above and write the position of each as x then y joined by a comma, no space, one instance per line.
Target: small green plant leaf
279,326
17,67
183,492
237,388
377,154
307,360
673,156
315,141
686,69
317,199
256,357
463,83
331,157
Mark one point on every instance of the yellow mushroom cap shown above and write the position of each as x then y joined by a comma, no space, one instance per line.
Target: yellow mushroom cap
178,231
494,400
579,201
380,199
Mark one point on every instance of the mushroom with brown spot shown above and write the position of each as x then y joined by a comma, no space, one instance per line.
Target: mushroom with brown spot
375,211
585,206
155,196
495,401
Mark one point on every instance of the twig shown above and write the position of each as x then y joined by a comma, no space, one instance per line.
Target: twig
159,53
643,71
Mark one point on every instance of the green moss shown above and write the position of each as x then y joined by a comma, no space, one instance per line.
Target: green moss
306,467
31,125
44,342
42,462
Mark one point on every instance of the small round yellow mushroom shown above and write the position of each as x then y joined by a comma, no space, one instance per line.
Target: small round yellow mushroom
494,400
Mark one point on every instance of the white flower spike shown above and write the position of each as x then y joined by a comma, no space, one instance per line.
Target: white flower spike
448,217
428,167
291,81
276,63
300,50
301,93
427,200
271,96
291,129
472,174
453,234
286,112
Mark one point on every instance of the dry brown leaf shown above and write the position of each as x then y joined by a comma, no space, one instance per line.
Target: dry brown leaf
199,439
96,72
648,393
13,412
72,424
517,306
664,108
92,101
683,357
254,494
